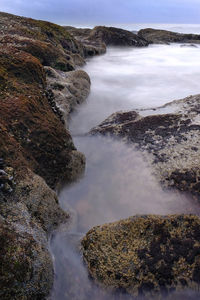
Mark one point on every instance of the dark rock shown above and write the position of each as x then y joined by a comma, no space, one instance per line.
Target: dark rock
117,37
91,46
157,36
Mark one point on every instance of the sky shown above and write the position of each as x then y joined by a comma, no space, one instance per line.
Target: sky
72,12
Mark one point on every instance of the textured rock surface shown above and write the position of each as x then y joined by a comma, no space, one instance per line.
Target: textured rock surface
170,142
26,268
95,40
50,43
36,151
91,45
117,37
67,89
156,36
145,255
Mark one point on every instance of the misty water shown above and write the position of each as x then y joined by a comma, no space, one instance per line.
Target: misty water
117,182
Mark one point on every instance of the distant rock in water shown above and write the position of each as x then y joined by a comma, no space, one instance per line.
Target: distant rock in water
100,36
170,142
157,36
117,37
148,256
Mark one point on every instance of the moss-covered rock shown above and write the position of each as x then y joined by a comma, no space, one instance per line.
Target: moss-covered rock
36,152
145,255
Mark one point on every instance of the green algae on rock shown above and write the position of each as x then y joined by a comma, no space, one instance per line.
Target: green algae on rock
145,255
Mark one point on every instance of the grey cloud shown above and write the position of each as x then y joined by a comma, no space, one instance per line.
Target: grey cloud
104,11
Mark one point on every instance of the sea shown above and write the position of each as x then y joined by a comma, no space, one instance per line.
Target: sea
117,182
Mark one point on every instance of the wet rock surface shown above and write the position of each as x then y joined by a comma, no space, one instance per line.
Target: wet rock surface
156,36
149,256
169,142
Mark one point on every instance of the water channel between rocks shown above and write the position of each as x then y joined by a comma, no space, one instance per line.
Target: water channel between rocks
117,182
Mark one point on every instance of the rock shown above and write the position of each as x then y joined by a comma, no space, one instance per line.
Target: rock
169,142
37,30
117,37
26,268
92,45
148,256
157,36
67,89
36,150
40,201
189,45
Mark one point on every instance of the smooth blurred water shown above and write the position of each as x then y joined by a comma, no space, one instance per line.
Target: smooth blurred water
134,78
117,182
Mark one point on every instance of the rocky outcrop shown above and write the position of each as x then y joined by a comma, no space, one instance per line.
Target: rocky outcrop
36,150
169,142
148,256
67,90
92,46
117,37
156,36
95,40
50,43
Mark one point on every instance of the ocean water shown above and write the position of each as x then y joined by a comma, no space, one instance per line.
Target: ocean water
117,182
135,78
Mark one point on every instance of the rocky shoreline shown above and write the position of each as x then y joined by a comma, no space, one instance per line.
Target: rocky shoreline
40,85
168,138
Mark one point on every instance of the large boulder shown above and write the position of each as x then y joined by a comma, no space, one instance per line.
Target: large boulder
147,256
157,36
117,37
169,142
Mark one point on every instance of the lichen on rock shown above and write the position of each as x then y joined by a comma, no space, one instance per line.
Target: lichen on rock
149,256
168,141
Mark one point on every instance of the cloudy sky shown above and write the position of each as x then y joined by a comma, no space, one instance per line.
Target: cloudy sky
106,11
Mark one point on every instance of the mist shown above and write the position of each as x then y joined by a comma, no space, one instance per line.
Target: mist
135,78
118,182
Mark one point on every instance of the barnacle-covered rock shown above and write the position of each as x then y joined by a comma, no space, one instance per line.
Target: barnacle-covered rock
147,256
